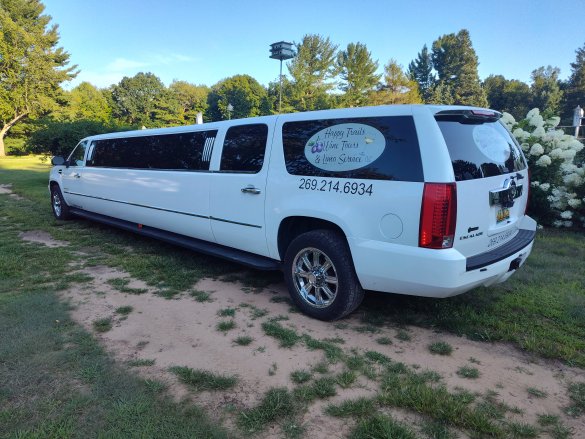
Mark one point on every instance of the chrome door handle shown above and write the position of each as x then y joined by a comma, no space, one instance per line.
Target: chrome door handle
250,190
77,175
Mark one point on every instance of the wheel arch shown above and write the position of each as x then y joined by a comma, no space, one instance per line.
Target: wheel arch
293,226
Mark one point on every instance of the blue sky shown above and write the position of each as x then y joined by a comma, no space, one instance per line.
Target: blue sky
204,42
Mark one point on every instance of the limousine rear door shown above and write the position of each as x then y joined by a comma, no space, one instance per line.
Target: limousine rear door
238,189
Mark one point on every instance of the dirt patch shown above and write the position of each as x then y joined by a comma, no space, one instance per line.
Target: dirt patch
6,189
183,332
41,237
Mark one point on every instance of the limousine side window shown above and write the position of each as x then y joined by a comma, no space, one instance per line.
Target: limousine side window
243,148
77,155
380,148
182,151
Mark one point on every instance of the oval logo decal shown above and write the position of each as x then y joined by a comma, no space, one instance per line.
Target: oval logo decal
345,147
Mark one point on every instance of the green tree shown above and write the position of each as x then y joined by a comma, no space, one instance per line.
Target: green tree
247,97
546,90
421,71
32,67
191,99
397,88
456,63
358,73
287,93
508,95
143,100
311,71
167,110
87,102
575,90
442,94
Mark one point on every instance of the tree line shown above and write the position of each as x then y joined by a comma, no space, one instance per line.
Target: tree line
38,115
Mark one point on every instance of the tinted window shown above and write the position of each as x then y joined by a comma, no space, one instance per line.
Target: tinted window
480,150
324,147
243,148
184,151
77,155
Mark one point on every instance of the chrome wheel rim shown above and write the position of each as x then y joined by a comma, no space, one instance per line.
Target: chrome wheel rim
56,204
315,277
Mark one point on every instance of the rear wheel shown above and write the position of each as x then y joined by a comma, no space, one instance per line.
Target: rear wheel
60,208
320,275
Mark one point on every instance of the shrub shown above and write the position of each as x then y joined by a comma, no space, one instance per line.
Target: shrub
556,161
59,138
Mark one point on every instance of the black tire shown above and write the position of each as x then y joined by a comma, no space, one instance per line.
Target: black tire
311,263
58,204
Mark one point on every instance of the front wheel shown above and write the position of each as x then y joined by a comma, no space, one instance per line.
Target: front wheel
320,275
60,208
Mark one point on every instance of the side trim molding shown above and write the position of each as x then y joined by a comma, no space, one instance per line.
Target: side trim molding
195,215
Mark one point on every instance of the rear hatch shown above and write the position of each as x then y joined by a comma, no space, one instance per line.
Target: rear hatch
491,177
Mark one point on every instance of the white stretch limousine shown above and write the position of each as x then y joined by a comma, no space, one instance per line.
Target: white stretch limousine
420,200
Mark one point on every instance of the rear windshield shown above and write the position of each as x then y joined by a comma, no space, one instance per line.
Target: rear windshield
480,150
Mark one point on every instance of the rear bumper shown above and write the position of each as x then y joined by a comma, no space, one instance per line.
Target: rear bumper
524,238
392,268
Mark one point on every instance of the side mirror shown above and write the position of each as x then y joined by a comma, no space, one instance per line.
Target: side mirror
58,161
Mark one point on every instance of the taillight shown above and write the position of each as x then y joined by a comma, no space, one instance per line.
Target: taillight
438,215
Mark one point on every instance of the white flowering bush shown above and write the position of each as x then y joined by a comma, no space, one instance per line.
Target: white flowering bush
556,161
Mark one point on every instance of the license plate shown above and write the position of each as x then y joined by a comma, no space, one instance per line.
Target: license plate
502,215
500,238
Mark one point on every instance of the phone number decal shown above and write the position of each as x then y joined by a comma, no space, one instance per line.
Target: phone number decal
349,187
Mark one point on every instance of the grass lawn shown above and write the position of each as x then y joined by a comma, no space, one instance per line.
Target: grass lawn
56,381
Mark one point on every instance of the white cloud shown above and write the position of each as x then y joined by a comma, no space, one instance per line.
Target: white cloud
183,58
115,70
123,65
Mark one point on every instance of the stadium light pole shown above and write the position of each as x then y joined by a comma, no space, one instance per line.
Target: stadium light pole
281,51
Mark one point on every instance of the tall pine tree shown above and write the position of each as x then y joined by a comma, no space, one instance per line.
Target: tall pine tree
358,73
456,64
421,71
397,88
32,67
311,71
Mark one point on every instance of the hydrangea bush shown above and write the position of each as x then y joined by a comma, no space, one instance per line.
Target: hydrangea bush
556,161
